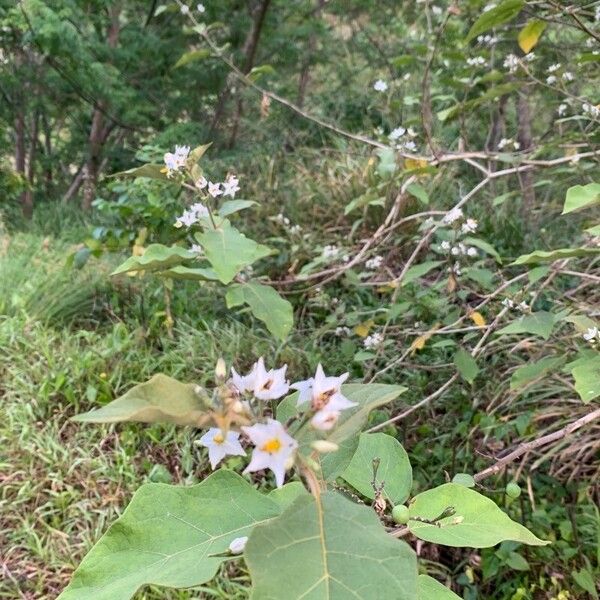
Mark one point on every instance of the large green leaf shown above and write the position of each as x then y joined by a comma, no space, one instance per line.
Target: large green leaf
581,196
431,589
543,256
192,56
538,323
229,251
329,549
170,536
528,373
161,399
394,469
156,258
477,522
230,207
504,12
266,305
586,372
191,273
352,421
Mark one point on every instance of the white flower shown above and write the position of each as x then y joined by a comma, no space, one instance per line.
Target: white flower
476,61
176,160
472,251
200,210
553,68
469,226
281,218
408,146
219,445
200,8
238,544
324,420
201,183
323,392
185,9
511,62
590,334
455,269
397,133
562,109
445,245
230,187
380,86
516,145
373,341
330,251
244,383
436,10
188,218
523,306
196,249
182,152
411,132
530,57
504,142
295,229
271,384
304,388
374,263
273,448
452,215
568,76
455,251
214,189
508,303
594,111
340,332
551,79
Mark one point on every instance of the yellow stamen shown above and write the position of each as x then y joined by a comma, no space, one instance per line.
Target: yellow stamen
273,445
218,439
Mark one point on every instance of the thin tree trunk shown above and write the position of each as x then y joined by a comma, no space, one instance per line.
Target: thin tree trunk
27,199
97,137
304,78
20,158
525,139
249,53
48,174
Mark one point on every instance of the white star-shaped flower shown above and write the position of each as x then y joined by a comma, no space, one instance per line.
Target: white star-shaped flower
590,334
219,445
273,448
305,389
323,392
201,183
380,85
199,209
243,383
230,187
271,384
214,189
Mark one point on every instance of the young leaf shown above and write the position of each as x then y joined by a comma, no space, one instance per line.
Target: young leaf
192,56
431,589
229,251
543,256
581,196
266,305
530,35
504,12
171,536
394,467
475,522
420,270
466,365
156,257
586,372
161,399
538,323
419,192
329,548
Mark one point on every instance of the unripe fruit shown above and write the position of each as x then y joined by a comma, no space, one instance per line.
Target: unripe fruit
400,514
513,490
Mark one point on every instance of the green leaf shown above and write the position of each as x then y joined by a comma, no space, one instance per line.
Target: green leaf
420,270
528,373
466,365
419,192
152,171
229,251
155,258
483,245
477,522
266,305
329,548
197,153
581,196
586,373
431,589
585,580
368,397
170,536
192,56
230,207
394,467
504,12
538,323
530,35
517,562
191,273
464,479
387,161
161,399
287,495
542,256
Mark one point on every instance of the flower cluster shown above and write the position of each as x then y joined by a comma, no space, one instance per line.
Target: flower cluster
380,86
174,161
487,40
511,304
592,335
374,263
273,447
476,61
227,188
507,142
192,215
373,341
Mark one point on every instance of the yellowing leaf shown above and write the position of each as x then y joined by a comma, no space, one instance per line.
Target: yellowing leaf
419,343
415,163
363,329
478,319
530,35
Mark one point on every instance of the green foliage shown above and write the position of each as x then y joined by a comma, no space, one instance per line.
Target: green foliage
507,10
466,365
431,589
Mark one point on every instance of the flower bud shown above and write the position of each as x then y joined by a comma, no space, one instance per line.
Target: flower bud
221,369
323,446
237,546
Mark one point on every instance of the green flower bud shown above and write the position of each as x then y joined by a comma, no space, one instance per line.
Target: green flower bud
513,490
400,514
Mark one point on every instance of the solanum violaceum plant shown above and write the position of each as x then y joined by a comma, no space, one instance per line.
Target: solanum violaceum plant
330,531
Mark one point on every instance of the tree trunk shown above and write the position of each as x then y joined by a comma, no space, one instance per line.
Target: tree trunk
98,137
525,139
249,53
27,199
20,158
304,78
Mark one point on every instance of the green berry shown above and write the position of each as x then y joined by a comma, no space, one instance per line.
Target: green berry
400,514
513,490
